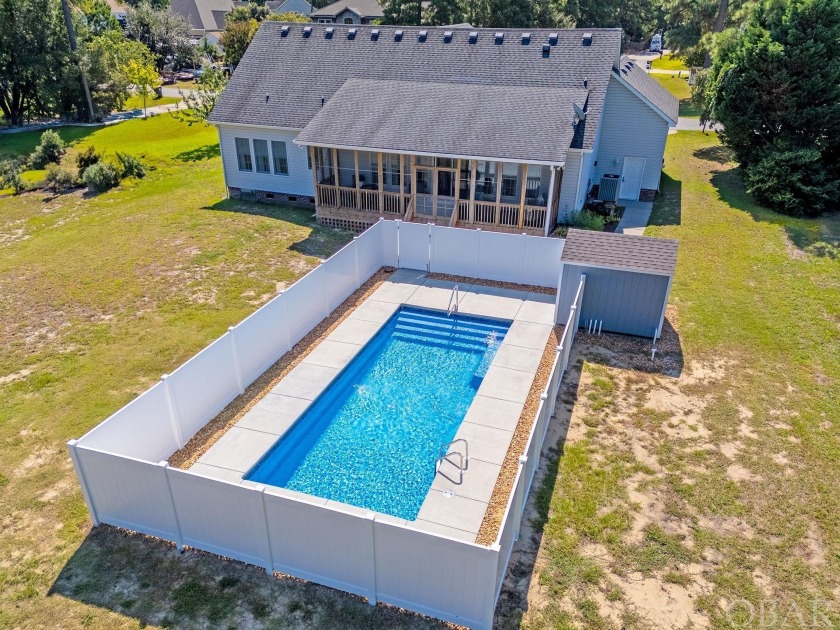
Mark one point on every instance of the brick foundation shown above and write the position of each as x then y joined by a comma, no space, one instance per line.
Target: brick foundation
280,199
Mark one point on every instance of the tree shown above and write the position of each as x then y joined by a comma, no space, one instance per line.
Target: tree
236,38
33,51
439,12
775,87
141,72
104,59
289,16
164,33
198,103
406,12
693,24
251,11
155,4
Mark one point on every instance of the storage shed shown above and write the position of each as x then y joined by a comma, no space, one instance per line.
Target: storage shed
628,279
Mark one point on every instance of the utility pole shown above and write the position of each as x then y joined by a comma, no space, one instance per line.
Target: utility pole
71,35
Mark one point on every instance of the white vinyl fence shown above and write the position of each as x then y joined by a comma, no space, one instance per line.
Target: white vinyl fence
126,481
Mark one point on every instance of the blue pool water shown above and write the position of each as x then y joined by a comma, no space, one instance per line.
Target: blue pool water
372,438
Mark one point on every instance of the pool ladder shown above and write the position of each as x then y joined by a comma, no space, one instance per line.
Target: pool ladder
453,306
445,455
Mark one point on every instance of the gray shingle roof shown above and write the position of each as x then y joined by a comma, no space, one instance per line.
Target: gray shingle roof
362,8
621,251
296,72
476,121
649,87
208,15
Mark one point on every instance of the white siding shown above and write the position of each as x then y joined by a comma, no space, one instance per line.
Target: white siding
630,128
297,182
568,187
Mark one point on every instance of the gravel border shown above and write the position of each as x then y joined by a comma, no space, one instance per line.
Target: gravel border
211,432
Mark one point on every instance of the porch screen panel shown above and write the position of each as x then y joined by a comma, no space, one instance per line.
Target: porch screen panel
536,185
281,160
346,169
243,154
510,182
261,156
324,166
485,187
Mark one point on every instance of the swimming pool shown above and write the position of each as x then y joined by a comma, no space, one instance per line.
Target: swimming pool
372,437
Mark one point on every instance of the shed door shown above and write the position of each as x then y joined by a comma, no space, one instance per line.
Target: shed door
631,178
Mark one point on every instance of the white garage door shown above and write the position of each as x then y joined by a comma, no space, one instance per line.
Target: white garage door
631,178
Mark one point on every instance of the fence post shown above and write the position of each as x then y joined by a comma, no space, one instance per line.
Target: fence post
269,566
491,587
519,508
477,255
324,291
522,259
237,367
287,338
355,246
372,597
173,411
80,474
179,542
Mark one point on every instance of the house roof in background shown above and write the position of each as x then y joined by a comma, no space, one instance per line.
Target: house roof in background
628,252
362,8
206,15
282,79
460,120
656,95
285,6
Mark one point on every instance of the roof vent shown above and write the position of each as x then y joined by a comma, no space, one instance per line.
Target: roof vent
398,35
422,35
499,38
447,37
307,31
473,37
587,39
552,39
351,33
374,35
328,32
284,30
546,51
526,39
586,83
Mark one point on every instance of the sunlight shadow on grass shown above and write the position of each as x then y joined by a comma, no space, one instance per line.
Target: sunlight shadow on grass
667,209
206,152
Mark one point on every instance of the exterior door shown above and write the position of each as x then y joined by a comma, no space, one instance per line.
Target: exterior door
631,178
445,192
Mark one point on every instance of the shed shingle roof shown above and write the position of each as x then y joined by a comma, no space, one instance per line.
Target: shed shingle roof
476,121
628,252
295,72
649,87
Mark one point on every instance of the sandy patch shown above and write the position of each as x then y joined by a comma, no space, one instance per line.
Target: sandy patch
662,604
36,459
727,526
730,449
747,431
736,472
15,376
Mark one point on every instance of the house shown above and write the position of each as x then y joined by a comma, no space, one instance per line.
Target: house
289,6
349,12
118,11
507,130
205,17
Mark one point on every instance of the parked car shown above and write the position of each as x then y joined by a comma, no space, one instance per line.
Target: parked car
167,78
656,43
184,75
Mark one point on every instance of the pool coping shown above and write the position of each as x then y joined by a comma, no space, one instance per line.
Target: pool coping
450,509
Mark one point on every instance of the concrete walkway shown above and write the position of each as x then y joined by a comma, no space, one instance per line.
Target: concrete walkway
116,117
635,218
690,123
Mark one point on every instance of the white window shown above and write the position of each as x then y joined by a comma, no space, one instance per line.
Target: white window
243,154
261,156
281,162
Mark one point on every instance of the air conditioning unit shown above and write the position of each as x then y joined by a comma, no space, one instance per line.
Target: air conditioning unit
608,190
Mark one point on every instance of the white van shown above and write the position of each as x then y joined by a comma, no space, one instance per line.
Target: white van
656,43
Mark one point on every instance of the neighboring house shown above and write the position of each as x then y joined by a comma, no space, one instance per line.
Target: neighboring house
289,6
349,12
506,130
118,11
206,17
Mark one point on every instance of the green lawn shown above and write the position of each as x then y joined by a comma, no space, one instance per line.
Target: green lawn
101,295
669,62
136,102
694,498
679,87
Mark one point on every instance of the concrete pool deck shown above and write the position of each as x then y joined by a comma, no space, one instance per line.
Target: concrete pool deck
450,508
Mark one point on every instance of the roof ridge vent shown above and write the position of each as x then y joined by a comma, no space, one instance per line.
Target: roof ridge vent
526,39
328,32
422,35
587,39
351,33
499,38
473,37
398,35
447,37
307,31
553,38
284,30
374,34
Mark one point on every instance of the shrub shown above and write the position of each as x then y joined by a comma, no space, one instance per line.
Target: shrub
49,150
586,220
58,179
130,166
101,176
10,176
86,158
